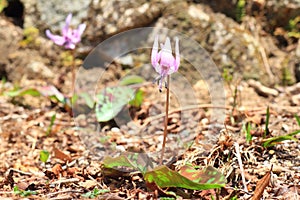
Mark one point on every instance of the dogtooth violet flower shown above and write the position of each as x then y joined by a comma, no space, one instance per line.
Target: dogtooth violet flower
163,61
70,37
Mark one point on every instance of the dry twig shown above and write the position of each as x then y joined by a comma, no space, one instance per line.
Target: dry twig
238,155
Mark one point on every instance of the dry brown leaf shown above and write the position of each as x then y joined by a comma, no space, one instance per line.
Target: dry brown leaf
261,185
61,155
57,169
22,185
88,184
72,170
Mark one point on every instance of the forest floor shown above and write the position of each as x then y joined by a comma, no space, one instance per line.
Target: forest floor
73,172
45,155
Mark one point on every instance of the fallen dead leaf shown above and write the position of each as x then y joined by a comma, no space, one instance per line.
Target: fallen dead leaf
57,169
61,155
261,185
88,184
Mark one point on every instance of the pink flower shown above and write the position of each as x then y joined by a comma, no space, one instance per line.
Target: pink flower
163,61
70,37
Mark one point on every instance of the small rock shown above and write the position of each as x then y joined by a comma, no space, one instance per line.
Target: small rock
293,89
126,60
52,14
120,148
39,67
115,129
33,67
271,152
296,99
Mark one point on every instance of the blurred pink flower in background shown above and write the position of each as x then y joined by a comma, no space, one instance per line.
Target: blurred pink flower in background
70,37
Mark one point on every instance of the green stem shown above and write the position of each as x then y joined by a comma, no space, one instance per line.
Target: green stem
166,120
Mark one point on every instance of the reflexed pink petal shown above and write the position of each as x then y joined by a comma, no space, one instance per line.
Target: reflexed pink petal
161,45
80,29
57,39
167,58
167,46
157,67
65,29
154,53
76,34
68,19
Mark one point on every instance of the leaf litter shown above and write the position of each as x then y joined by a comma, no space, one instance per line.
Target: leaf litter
74,170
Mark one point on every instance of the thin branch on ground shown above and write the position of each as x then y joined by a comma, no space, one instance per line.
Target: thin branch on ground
66,181
63,191
238,155
191,107
20,172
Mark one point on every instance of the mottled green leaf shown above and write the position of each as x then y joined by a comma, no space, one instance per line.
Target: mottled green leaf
129,162
121,161
164,177
209,175
111,101
88,100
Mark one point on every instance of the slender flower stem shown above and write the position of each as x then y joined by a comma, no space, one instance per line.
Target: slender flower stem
166,120
73,72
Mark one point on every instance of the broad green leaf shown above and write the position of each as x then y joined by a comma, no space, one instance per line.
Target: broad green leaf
3,4
88,100
164,177
44,155
22,92
138,99
111,101
132,79
73,99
